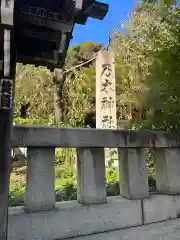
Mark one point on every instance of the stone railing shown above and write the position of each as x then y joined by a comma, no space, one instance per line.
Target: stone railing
42,218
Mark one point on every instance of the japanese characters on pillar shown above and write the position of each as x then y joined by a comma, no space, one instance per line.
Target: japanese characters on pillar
106,117
7,76
6,61
105,91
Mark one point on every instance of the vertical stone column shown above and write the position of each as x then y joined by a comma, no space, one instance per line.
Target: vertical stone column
40,182
91,184
106,116
133,173
167,170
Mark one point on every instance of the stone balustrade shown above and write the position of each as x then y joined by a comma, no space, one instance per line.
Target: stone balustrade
42,218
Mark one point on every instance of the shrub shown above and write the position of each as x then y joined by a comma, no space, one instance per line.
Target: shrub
112,175
34,121
66,188
66,193
16,195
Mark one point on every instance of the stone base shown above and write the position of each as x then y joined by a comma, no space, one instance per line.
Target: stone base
168,230
159,208
71,219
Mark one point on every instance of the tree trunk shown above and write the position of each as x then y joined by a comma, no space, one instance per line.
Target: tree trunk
59,81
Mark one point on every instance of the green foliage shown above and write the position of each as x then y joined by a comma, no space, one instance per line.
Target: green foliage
64,155
63,172
149,59
152,184
16,195
34,86
66,193
66,187
77,99
81,53
112,175
166,2
34,121
147,75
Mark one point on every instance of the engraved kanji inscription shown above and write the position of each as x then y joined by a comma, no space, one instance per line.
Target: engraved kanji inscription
107,103
6,91
107,122
106,74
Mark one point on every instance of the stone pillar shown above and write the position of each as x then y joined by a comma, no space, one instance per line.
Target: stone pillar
40,182
106,116
133,173
91,184
167,170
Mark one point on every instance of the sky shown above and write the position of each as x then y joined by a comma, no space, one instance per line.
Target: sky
98,31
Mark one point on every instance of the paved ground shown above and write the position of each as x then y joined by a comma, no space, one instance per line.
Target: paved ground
169,230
